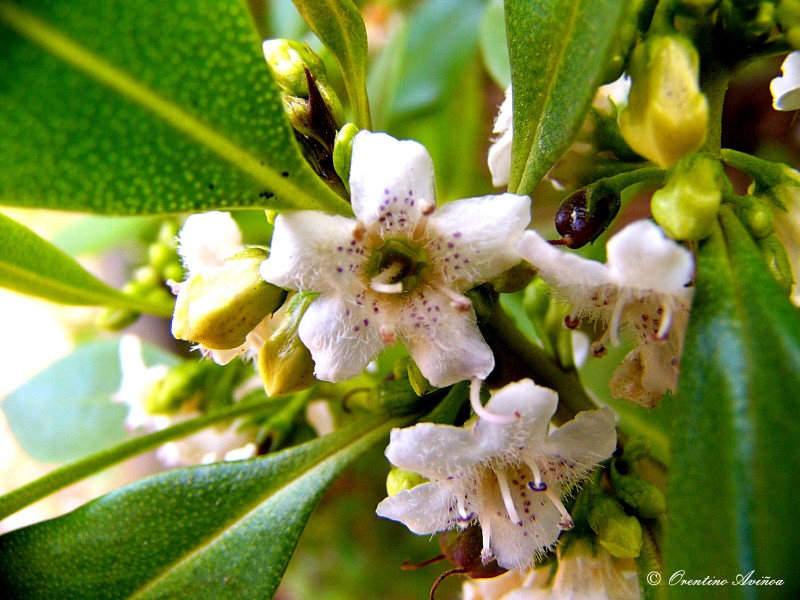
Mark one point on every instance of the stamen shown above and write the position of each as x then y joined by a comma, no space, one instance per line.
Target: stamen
380,284
508,499
458,301
426,209
388,335
487,555
537,485
566,521
477,407
616,317
358,231
666,322
463,516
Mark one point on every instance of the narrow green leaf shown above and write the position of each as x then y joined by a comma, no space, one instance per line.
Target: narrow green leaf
734,476
74,472
66,412
219,531
31,265
558,50
338,23
130,108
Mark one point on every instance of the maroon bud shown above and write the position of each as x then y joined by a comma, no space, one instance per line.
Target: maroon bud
586,214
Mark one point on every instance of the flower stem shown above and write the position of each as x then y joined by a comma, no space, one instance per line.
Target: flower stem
517,358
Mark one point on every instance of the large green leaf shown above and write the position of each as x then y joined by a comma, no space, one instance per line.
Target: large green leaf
558,51
31,265
144,107
339,25
736,458
219,531
66,412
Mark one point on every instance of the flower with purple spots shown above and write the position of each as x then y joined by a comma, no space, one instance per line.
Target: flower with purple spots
400,269
645,284
509,477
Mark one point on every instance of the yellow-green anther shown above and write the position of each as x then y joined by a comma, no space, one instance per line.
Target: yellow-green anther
287,60
666,117
617,532
219,308
686,207
182,382
284,363
343,151
399,479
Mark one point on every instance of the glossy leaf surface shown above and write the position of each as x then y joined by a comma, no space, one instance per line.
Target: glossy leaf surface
732,493
142,108
225,530
558,51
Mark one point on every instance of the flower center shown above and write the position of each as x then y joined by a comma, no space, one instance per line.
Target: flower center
396,266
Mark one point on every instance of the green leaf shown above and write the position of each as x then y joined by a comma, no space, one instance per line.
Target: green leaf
734,475
31,265
493,43
139,108
94,234
225,530
338,23
558,51
66,412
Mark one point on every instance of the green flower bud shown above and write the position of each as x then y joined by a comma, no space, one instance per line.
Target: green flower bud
176,388
642,496
147,276
787,14
755,214
343,151
666,117
695,8
115,319
284,363
515,279
687,206
420,385
623,40
399,479
288,60
161,255
219,308
617,532
637,448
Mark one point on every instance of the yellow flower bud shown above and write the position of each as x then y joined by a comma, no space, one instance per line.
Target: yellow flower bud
687,206
617,532
219,308
399,479
284,363
288,60
666,117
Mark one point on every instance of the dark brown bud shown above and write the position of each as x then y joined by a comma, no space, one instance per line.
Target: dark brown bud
586,214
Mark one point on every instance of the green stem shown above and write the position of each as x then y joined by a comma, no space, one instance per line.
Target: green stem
74,472
517,358
714,84
624,180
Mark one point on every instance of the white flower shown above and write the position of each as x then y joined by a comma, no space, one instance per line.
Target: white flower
510,478
204,243
643,283
500,150
399,270
786,90
206,446
137,381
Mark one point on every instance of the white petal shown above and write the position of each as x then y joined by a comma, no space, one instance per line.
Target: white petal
500,151
646,373
589,438
642,257
341,335
445,343
390,180
315,252
434,451
477,238
786,90
535,406
573,277
206,240
424,509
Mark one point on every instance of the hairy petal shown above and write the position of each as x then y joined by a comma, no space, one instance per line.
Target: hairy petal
341,336
424,509
388,176
316,252
479,236
206,240
434,451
